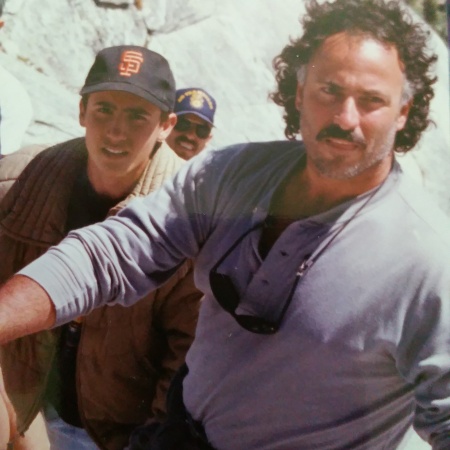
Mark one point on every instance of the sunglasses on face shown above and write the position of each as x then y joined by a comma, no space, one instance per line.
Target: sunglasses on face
201,130
227,296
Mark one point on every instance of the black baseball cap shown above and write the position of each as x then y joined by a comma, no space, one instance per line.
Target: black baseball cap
133,69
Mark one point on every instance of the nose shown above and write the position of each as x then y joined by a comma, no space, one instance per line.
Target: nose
117,128
347,116
190,133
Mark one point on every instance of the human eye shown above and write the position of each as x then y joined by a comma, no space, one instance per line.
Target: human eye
330,89
103,109
138,115
329,93
203,131
372,101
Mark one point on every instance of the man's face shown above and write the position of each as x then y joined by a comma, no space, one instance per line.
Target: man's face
121,132
184,138
350,106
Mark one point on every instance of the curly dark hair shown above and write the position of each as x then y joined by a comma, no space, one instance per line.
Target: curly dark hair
386,22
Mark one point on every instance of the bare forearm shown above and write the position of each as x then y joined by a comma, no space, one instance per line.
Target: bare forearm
25,308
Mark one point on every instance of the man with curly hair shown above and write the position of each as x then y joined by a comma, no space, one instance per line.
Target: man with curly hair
326,317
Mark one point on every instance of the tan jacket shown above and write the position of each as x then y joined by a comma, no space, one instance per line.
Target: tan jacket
126,356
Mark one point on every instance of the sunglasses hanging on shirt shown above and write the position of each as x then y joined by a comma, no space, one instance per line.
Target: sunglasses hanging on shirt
227,296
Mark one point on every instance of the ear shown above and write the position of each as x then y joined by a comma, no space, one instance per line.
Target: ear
82,114
299,96
167,126
403,115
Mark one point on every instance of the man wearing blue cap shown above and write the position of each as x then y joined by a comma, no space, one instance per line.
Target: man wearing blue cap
195,110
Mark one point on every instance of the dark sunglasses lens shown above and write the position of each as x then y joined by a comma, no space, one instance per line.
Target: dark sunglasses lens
203,131
182,124
226,295
256,324
224,291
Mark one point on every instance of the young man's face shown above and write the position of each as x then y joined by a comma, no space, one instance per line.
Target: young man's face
121,132
351,107
184,139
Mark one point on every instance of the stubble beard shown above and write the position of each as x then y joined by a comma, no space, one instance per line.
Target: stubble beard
338,167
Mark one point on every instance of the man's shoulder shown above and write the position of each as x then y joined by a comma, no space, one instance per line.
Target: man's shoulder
240,167
31,158
164,164
422,214
165,155
257,149
253,155
12,165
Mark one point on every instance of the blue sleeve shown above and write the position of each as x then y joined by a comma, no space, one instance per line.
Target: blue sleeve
423,358
123,258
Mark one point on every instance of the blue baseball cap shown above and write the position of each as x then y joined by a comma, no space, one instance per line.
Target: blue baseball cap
195,101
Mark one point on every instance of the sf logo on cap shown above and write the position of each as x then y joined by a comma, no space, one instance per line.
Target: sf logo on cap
130,63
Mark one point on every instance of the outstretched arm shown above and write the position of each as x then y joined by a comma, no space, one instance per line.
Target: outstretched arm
117,261
25,308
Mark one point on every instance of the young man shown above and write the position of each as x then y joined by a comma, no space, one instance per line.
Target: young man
105,373
195,110
326,316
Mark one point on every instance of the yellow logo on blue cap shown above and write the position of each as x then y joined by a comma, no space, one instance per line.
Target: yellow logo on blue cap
197,99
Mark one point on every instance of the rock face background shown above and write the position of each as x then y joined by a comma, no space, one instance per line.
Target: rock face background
224,46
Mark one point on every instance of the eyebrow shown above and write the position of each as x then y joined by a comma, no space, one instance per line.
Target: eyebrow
136,110
369,92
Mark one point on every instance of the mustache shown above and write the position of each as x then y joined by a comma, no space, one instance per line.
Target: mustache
335,131
183,138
